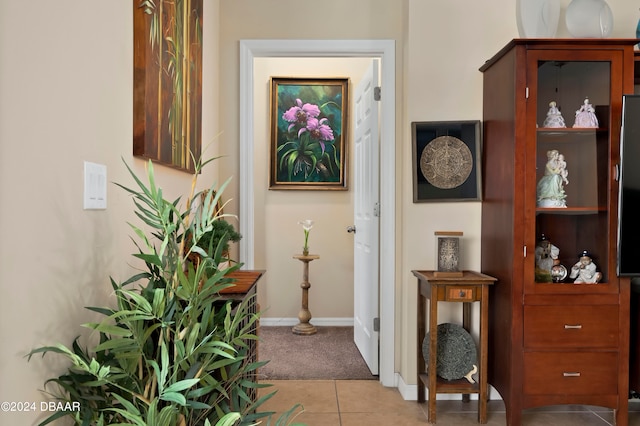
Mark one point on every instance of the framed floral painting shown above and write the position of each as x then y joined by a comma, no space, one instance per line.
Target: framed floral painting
308,133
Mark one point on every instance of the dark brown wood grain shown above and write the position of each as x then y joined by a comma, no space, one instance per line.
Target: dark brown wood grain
529,348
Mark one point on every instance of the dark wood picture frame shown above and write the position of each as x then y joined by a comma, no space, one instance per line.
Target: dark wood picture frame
309,127
167,86
446,161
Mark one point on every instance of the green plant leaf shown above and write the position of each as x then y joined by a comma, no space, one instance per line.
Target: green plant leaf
125,344
176,397
150,258
182,385
113,330
57,415
228,419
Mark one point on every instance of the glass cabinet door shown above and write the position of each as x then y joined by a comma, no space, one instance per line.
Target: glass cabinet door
571,190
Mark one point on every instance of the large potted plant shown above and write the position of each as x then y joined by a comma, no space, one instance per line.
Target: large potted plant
173,351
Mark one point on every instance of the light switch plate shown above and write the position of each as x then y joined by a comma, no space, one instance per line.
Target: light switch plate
95,186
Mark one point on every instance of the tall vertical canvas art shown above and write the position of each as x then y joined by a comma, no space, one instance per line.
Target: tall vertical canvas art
167,97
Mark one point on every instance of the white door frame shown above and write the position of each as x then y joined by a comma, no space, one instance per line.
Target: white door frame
385,50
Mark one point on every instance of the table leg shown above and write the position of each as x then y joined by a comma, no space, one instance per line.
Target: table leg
421,334
466,324
433,354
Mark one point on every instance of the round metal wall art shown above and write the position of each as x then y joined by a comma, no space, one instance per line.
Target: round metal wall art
446,162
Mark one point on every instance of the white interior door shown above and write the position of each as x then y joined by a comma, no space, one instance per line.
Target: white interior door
366,208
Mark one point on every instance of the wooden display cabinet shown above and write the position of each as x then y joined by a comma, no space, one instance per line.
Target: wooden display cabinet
553,343
634,364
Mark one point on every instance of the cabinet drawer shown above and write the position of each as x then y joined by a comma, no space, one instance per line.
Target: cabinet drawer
571,326
456,293
574,373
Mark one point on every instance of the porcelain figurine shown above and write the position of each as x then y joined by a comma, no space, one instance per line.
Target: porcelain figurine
586,115
585,271
550,189
546,254
554,117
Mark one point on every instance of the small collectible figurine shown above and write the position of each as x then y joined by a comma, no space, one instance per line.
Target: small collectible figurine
550,189
585,271
586,116
562,169
546,254
554,117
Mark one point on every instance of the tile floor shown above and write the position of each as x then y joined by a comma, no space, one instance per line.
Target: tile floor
367,403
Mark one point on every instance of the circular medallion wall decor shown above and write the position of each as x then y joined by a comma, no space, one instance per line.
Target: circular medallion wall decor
446,162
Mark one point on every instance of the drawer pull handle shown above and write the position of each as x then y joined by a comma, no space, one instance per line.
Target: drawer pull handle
462,293
572,327
571,374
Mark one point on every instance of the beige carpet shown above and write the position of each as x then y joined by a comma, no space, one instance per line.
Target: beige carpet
330,354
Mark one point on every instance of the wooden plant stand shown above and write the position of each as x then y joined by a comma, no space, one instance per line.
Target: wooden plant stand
304,327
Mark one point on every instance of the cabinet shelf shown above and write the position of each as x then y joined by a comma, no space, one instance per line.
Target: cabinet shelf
568,287
571,210
554,131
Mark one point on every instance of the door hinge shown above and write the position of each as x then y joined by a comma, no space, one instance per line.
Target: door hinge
376,209
376,324
524,252
526,93
377,95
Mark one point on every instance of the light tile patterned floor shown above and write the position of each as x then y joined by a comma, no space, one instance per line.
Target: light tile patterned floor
367,403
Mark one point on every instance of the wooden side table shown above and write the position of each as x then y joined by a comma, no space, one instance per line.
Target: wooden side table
471,287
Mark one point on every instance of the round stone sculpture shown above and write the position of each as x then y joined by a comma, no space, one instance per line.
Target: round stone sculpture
457,354
446,162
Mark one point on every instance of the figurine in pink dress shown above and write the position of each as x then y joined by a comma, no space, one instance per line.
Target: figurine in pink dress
586,116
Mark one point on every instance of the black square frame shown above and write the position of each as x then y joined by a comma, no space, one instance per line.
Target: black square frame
425,132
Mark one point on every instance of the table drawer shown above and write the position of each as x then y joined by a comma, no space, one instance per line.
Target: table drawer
457,293
575,373
571,326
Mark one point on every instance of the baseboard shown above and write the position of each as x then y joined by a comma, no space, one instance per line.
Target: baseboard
318,322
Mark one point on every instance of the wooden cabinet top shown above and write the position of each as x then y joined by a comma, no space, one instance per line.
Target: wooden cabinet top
559,43
468,277
243,280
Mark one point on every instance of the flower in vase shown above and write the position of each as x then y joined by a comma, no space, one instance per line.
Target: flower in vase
307,224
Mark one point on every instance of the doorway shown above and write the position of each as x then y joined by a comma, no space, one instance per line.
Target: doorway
385,51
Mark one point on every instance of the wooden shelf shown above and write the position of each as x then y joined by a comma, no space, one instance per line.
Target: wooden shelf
451,386
571,210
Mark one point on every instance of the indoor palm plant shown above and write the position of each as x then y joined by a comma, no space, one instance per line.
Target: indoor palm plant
173,351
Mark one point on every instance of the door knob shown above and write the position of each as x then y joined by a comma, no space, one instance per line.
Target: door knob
351,229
